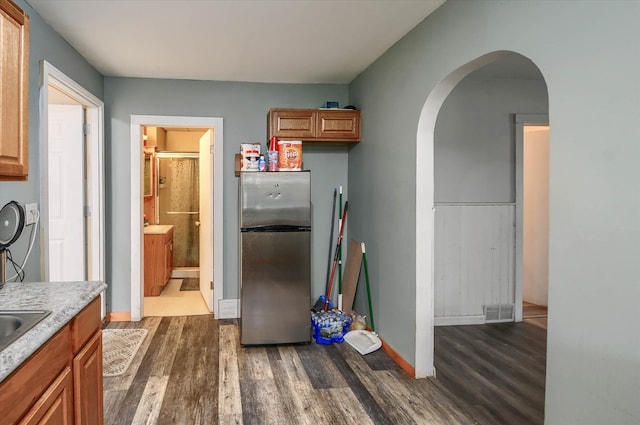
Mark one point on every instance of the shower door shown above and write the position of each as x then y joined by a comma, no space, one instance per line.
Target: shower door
178,198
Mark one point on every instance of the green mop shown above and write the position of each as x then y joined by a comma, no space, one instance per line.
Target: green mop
364,341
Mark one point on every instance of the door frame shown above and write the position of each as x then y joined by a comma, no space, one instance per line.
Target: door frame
137,237
94,160
520,121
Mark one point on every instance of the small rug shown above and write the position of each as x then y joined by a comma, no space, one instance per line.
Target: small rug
119,347
190,285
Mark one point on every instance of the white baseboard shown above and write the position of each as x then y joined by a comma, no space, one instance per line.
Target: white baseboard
459,320
228,309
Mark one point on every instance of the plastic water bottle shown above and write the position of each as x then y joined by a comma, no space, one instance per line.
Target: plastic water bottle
262,165
273,154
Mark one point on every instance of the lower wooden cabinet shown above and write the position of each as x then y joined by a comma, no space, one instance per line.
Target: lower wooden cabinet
168,258
55,407
87,382
61,383
158,261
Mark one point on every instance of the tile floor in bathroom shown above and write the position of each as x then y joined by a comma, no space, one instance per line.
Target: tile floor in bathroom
174,302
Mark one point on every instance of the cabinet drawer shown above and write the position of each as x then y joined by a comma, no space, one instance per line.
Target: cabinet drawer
85,324
21,390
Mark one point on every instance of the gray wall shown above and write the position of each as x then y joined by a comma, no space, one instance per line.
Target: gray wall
244,107
474,138
589,56
44,44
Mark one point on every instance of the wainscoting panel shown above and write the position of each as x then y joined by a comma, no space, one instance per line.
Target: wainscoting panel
474,260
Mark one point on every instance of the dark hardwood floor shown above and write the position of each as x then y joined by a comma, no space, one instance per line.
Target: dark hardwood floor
495,373
193,370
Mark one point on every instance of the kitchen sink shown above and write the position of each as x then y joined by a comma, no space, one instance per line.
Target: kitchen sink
15,323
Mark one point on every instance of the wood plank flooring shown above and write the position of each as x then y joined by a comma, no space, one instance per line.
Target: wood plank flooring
193,370
494,373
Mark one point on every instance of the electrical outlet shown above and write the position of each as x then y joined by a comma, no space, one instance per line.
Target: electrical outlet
31,213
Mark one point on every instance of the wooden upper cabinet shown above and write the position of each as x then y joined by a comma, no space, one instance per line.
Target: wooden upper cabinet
315,125
338,125
14,91
292,123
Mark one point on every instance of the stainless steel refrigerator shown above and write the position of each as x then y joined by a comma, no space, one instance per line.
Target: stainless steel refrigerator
275,256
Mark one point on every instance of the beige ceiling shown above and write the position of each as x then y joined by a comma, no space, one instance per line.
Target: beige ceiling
272,41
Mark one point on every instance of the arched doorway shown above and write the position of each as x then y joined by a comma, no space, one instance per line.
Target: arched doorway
426,198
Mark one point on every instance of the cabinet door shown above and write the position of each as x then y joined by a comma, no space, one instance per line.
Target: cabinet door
55,407
153,264
338,125
168,261
87,383
299,124
14,90
34,377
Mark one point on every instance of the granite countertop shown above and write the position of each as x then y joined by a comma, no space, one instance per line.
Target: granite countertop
157,229
63,299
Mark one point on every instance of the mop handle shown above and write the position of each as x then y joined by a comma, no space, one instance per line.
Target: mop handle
366,277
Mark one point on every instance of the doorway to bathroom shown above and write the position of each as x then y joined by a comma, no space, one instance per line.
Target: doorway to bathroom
148,177
176,203
172,201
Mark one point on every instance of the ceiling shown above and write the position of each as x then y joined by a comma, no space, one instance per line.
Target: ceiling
270,41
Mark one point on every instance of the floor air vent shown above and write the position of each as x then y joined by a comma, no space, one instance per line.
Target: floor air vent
499,313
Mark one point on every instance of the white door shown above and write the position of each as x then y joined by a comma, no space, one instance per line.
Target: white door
66,193
206,218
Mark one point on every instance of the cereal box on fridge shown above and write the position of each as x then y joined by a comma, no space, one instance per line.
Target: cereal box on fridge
290,155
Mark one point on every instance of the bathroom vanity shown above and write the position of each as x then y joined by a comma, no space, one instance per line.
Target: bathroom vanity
158,258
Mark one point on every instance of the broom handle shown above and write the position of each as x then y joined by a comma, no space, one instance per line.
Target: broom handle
340,251
333,220
335,259
366,277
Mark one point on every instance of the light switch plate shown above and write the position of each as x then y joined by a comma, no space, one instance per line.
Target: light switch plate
31,213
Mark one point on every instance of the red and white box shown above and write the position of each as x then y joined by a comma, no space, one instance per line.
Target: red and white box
250,154
289,155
